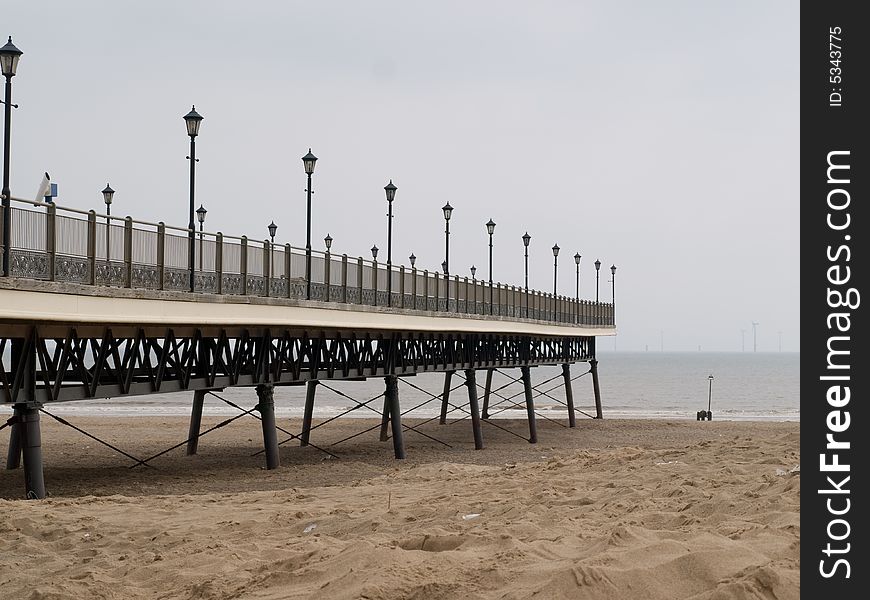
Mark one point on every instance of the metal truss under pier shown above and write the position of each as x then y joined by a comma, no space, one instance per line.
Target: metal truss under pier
62,345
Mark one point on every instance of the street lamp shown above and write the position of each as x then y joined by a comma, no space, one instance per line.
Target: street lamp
448,211
555,274
473,273
273,229
444,268
710,398
192,121
200,215
490,229
308,161
597,268
577,258
390,190
374,252
108,194
9,56
613,284
413,260
327,242
526,239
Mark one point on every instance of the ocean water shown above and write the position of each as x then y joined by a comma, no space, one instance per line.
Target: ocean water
746,386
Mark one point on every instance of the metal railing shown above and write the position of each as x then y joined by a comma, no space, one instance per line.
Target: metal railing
55,243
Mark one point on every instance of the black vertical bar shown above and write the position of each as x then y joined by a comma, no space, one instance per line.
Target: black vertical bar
13,457
309,412
385,420
569,394
486,392
530,405
445,397
471,382
392,399
593,366
266,406
31,445
195,422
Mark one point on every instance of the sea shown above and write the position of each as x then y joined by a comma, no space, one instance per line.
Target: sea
634,385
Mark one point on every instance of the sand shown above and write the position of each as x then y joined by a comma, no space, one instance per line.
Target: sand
612,509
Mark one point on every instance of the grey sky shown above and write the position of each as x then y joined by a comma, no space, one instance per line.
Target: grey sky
662,137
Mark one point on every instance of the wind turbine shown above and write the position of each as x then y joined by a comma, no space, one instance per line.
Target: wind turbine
754,344
743,340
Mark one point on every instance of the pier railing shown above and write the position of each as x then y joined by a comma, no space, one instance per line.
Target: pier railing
56,243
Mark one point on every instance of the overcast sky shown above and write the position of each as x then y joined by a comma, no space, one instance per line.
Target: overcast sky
662,137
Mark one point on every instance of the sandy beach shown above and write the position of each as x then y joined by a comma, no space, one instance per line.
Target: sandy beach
612,509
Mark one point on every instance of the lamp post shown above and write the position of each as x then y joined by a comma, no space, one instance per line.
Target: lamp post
444,268
710,398
273,229
597,268
390,190
200,215
413,260
327,241
308,161
9,56
526,239
490,229
577,258
555,275
473,273
108,194
448,211
613,284
375,253
192,121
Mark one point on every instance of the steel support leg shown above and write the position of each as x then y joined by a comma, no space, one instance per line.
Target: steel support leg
530,405
308,415
266,406
569,394
31,445
392,397
445,397
486,392
593,366
195,421
475,414
13,457
385,420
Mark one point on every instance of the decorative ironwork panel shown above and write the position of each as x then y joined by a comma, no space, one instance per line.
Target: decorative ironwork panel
176,279
256,285
318,291
231,283
297,289
382,298
278,288
336,293
111,273
75,270
353,295
32,265
206,283
144,277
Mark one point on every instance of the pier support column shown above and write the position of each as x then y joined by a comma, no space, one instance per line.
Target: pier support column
266,406
195,421
471,382
530,405
308,415
13,456
593,366
445,397
30,440
392,400
486,392
385,419
569,394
